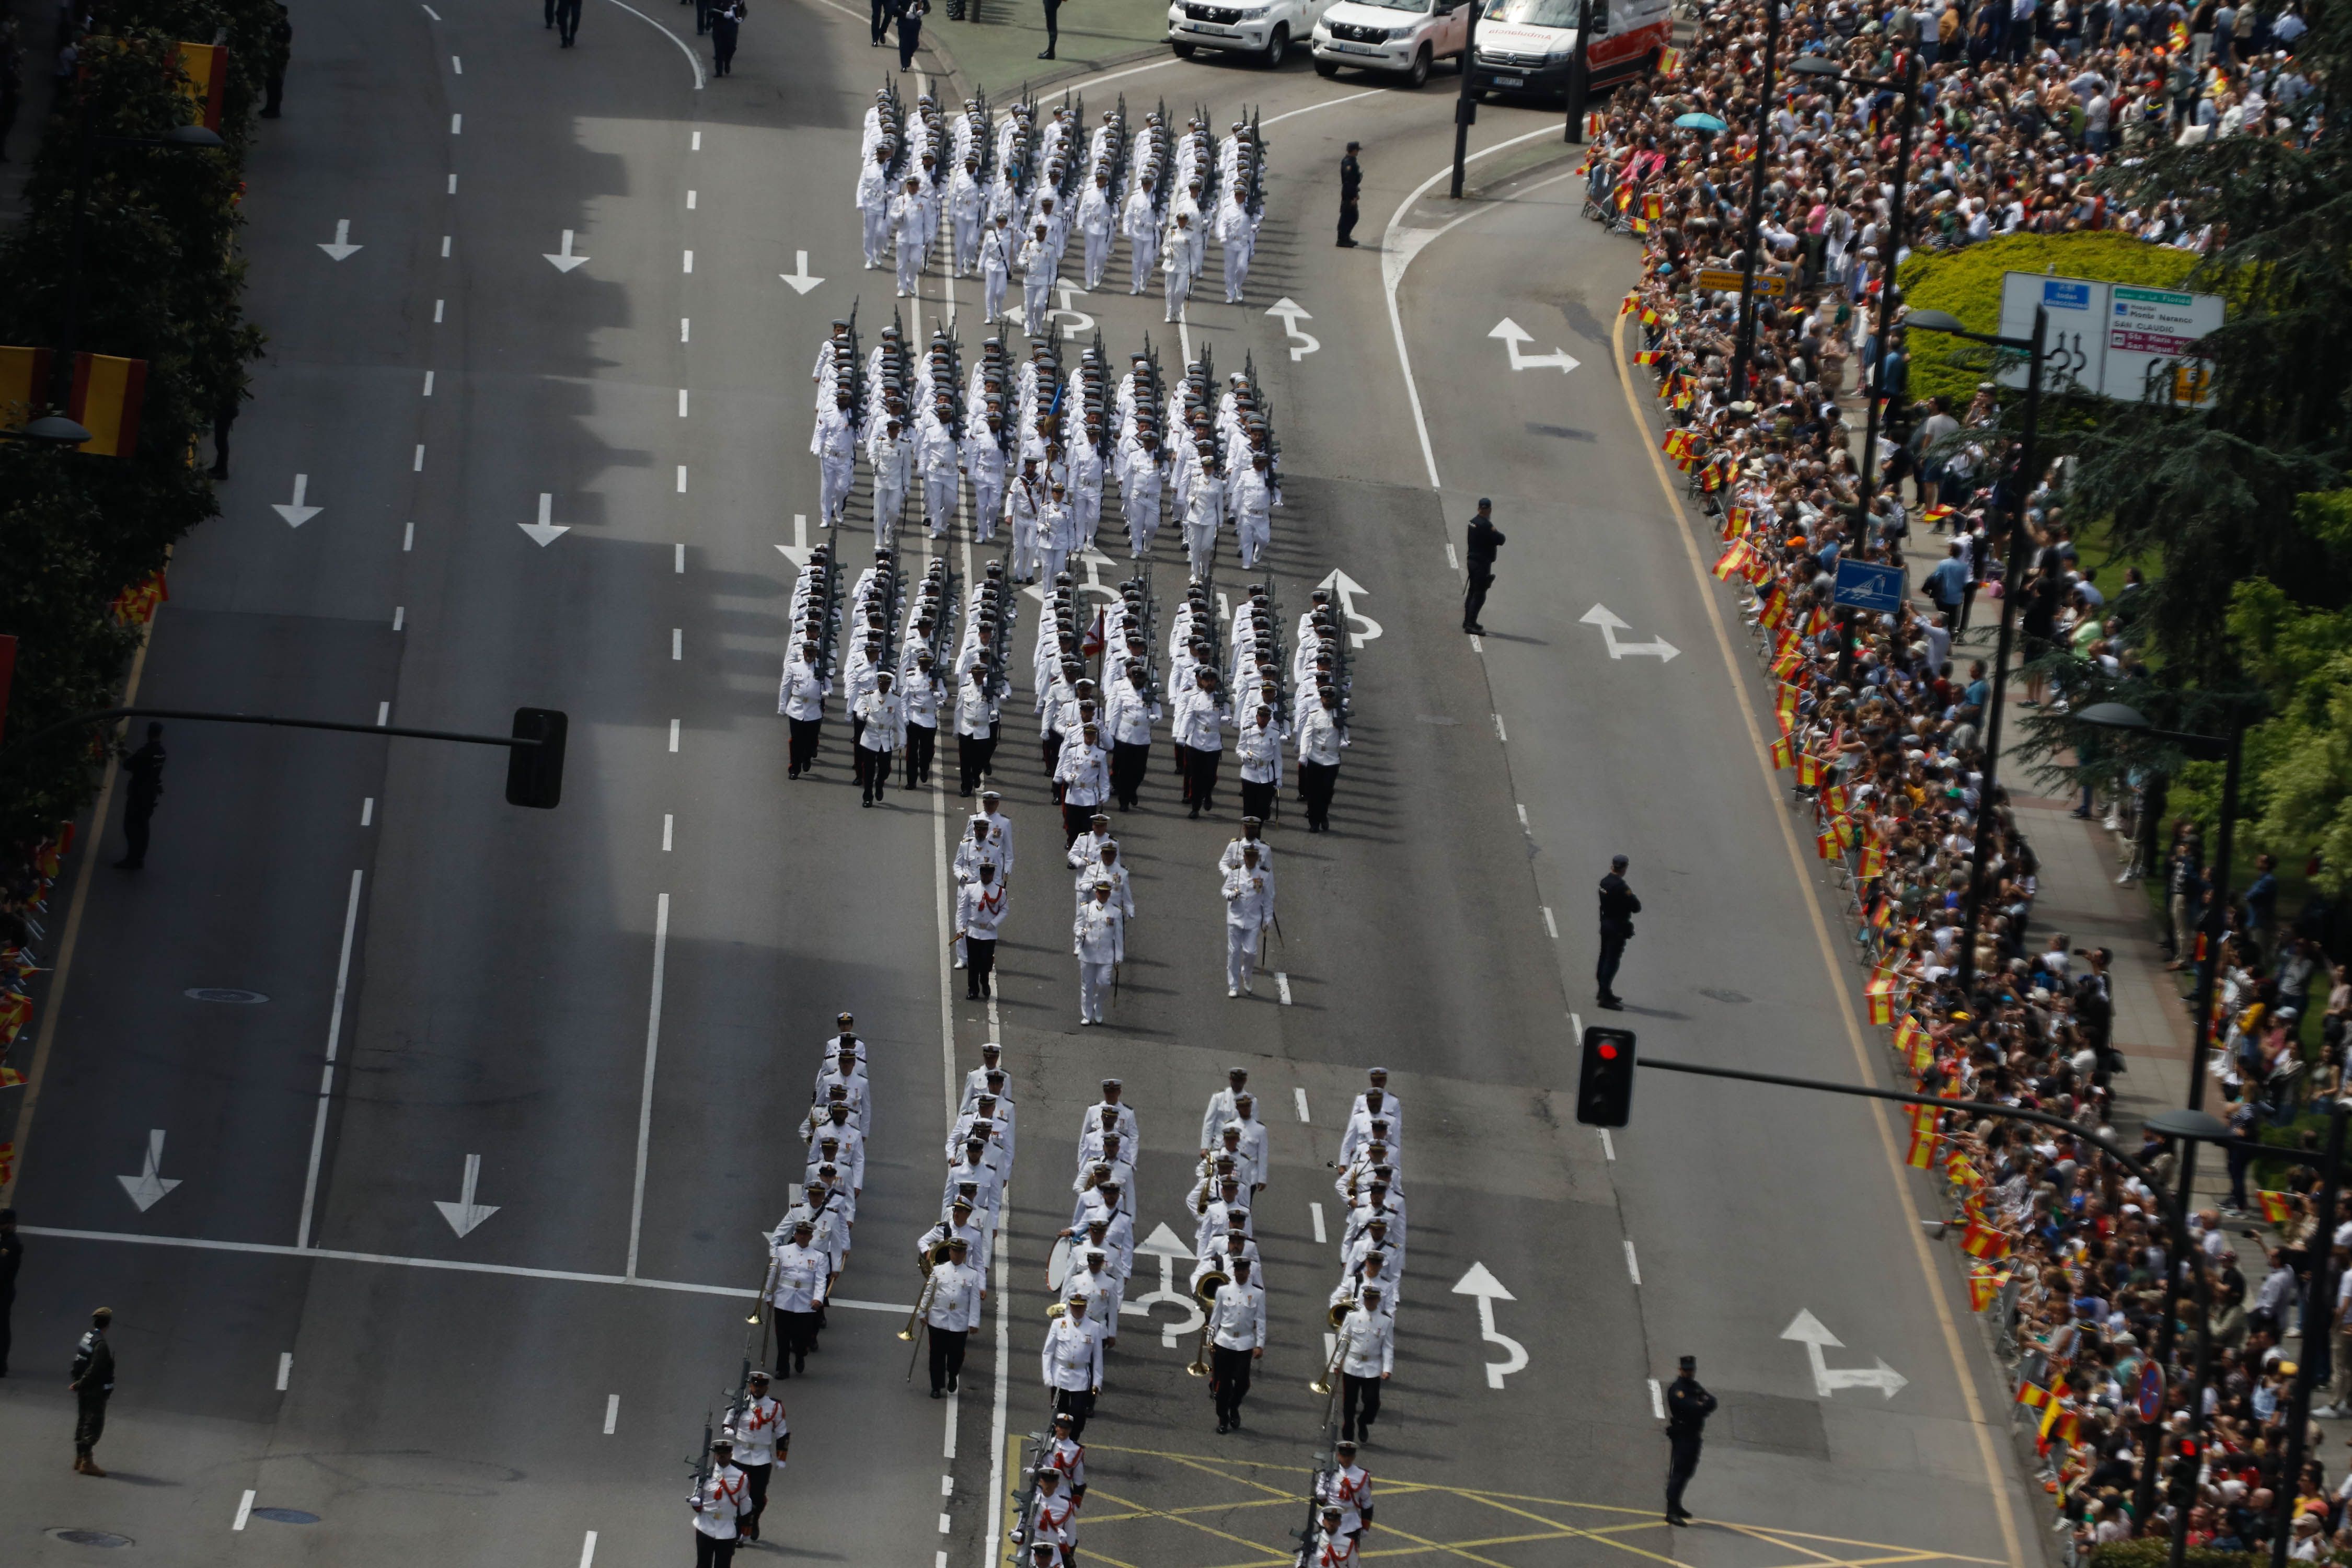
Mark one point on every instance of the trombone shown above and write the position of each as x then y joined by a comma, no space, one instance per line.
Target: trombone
1204,1294
1338,1349
928,1261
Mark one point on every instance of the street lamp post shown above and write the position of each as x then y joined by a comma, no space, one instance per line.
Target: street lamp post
1744,349
1980,844
1580,72
1465,105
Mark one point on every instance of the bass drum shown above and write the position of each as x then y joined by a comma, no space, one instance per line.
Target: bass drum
1057,1267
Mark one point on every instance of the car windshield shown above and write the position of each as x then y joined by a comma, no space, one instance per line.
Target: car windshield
1418,7
1533,12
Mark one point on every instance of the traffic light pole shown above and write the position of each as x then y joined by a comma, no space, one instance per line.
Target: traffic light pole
102,716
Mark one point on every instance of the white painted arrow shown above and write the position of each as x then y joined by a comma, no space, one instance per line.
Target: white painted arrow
1094,561
1078,321
563,260
1478,1282
1347,587
799,276
797,551
342,246
1511,332
297,514
1606,619
1810,1331
1292,312
1164,1245
466,1214
147,1188
546,534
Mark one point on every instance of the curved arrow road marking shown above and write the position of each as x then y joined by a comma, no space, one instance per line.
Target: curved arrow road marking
1163,1244
1478,1282
1810,1331
1292,312
1511,332
1347,587
1602,615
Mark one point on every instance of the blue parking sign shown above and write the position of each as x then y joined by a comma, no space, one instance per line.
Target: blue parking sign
1868,586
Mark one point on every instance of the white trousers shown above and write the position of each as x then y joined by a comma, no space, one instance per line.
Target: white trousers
940,501
1237,260
991,295
1145,255
987,508
1094,989
1054,560
1254,536
1036,302
839,473
1142,522
878,233
1200,548
1241,954
967,243
888,501
1024,551
910,263
1179,288
1097,257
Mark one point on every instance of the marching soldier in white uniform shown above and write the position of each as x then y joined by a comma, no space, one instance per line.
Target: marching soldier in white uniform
1141,222
1122,1121
799,1277
1181,263
1097,1281
1367,1357
874,205
1246,913
1335,1548
957,1227
956,1293
883,728
999,249
763,1440
1100,938
980,911
1249,1138
1074,1365
1068,1455
1237,1338
1221,1105
1096,221
720,1500
1349,1485
1054,1517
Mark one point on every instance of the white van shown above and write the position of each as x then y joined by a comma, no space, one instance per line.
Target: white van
1525,46
1403,36
1264,28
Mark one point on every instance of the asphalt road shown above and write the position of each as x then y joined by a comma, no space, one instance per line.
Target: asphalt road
610,1013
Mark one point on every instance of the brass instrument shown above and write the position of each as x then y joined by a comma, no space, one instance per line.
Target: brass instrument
931,1258
1204,1292
1058,1309
922,1305
1338,1353
1339,1311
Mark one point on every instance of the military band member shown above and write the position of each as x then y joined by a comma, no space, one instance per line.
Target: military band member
763,1440
1221,1106
1068,1455
975,1082
1234,1246
979,911
1237,1339
846,1073
1349,1485
1248,908
1100,938
957,1292
1377,1100
720,1500
1098,1282
1123,1120
1379,1202
1334,1548
1054,1516
974,1171
1074,1365
956,1226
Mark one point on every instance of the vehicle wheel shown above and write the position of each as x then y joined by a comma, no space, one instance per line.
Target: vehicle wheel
1326,70
1277,47
1183,51
1419,74
1480,94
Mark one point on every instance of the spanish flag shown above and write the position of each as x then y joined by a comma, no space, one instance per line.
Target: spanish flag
1923,1149
1734,521
105,397
1908,1033
1935,514
1734,557
136,605
1670,64
2034,1396
1784,704
1631,300
1788,661
1784,753
1874,861
1834,798
1649,315
1776,608
2278,1208
1983,1241
204,72
1826,843
1653,205
1984,1288
1809,766
10,1078
1879,996
1675,442
1649,356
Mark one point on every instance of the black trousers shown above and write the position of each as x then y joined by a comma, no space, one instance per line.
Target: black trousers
1612,950
134,835
910,36
567,23
922,743
1229,1381
1318,780
947,1357
1257,800
709,1552
90,1422
1077,1404
1681,1465
1201,785
702,15
1129,763
1476,599
873,772
551,12
8,1306
795,1337
971,760
881,19
274,89
1359,1405
1076,818
1051,746
755,1478
980,966
1052,27
805,733
1348,213
723,33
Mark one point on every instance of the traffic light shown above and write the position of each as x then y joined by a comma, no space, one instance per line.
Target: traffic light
535,773
1605,1090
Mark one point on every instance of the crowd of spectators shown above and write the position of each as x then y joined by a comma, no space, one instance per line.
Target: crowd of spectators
2021,102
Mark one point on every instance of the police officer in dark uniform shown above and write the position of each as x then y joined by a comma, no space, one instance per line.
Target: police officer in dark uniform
1687,1407
145,767
1618,908
567,20
1053,30
282,48
1485,540
726,24
1351,184
93,1385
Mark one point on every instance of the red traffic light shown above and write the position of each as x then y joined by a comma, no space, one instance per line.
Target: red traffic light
1608,1050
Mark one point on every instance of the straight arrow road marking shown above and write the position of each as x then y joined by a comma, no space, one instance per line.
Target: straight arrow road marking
799,276
1291,313
297,514
545,532
1482,1284
1347,587
1511,332
466,1214
1164,1245
797,551
563,260
1607,620
341,245
1810,1331
147,1188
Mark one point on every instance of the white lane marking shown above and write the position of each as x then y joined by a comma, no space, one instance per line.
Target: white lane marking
612,1414
418,467
681,478
691,57
689,261
408,537
457,66
1500,733
1604,618
326,1078
1632,1264
367,812
1315,1212
244,1510
456,125
1608,1145
399,615
285,1369
298,512
383,714
453,185
1282,985
465,1215
444,247
588,1546
1523,816
1480,1282
677,643
947,1486
1326,103
681,403
668,820
697,147
946,1524
939,1559
428,384
679,561
432,12
1397,251
1551,927
1476,647
683,334
1657,1400
689,201
1299,1098
438,305
447,1265
673,734
1003,1355
1576,1023
645,1096
341,247
950,1451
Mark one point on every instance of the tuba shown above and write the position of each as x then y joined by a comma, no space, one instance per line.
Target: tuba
1339,1311
932,1257
1206,1294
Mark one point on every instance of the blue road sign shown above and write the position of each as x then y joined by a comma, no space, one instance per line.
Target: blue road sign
1866,585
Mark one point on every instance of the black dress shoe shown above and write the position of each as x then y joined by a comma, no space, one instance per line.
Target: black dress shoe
1349,244
1614,1003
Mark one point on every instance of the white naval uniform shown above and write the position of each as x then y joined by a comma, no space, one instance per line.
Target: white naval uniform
1238,1321
998,249
956,1293
1100,938
723,1497
1142,226
1072,1356
1245,916
1180,264
1096,222
874,208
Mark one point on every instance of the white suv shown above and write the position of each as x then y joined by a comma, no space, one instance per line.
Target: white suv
1400,36
1265,29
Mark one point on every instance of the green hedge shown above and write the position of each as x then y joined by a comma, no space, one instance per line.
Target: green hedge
2156,1551
161,281
1967,282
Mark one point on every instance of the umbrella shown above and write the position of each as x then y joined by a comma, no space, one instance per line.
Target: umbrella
1701,122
